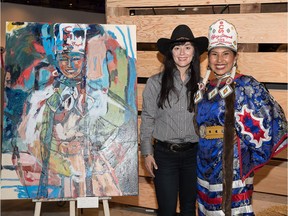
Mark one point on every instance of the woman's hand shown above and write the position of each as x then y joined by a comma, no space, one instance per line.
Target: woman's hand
150,164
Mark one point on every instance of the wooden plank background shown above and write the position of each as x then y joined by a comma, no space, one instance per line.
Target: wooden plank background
263,66
166,3
253,28
152,27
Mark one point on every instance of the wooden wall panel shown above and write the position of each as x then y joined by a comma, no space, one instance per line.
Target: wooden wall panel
140,88
265,67
265,28
272,179
166,3
282,155
148,63
281,97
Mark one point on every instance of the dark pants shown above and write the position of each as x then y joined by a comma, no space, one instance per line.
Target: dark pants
176,175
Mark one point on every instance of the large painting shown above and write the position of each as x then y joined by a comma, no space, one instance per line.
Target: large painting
69,111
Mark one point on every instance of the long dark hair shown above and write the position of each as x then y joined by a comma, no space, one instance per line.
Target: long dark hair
167,84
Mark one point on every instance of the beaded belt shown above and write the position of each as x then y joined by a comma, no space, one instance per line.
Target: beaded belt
176,147
211,132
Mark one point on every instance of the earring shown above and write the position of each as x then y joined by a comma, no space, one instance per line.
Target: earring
201,87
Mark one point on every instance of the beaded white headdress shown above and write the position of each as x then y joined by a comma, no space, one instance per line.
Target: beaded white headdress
221,34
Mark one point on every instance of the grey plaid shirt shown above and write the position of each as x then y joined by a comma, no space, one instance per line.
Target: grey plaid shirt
173,124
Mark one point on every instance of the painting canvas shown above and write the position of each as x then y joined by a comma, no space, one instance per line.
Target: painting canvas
69,111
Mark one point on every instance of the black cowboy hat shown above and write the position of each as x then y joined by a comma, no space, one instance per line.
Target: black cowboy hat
179,34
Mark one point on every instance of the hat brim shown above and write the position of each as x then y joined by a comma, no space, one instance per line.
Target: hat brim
164,44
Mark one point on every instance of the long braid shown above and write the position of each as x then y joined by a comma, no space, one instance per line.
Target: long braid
228,149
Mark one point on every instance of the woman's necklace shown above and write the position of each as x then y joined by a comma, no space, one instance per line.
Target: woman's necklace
215,91
222,76
226,90
223,92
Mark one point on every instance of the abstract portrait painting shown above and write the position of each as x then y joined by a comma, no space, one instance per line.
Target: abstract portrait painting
69,111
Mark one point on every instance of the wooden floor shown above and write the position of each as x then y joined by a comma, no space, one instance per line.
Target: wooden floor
263,204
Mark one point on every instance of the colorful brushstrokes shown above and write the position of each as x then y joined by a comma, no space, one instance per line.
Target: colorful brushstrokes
70,114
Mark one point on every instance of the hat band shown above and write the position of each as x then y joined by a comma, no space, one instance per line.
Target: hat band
183,38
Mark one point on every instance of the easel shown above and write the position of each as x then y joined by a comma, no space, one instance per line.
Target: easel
106,205
38,204
72,206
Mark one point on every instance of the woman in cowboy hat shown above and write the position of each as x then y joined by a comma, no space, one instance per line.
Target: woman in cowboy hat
167,121
240,125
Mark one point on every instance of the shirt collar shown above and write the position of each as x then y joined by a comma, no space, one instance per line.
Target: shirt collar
177,75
